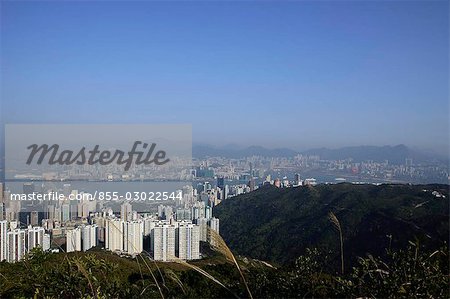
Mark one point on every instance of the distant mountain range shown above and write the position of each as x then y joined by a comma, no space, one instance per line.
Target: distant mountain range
394,154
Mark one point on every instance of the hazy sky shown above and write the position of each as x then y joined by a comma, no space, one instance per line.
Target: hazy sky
290,74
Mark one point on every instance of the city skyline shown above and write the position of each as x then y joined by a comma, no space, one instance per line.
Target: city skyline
306,74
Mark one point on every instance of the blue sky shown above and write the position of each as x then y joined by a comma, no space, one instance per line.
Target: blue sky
278,74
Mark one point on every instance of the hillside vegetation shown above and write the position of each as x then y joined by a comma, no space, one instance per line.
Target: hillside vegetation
278,225
408,273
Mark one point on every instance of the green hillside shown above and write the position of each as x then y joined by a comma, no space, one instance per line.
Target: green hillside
278,225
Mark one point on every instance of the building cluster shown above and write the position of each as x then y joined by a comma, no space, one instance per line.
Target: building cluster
286,183
81,238
179,169
16,242
242,170
171,231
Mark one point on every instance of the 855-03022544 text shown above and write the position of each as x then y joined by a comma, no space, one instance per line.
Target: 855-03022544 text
100,195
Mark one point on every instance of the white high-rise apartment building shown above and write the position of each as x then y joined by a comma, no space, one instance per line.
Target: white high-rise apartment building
57,215
3,239
89,236
65,212
214,224
73,240
114,234
208,212
1,192
15,245
188,241
163,242
133,237
203,226
51,212
126,211
35,237
46,242
149,224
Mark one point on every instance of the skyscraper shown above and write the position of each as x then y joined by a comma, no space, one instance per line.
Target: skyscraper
46,242
34,218
163,242
15,245
126,211
165,212
203,227
65,212
2,203
57,216
2,210
73,240
188,241
208,212
214,225
149,224
226,191
183,214
220,182
89,236
35,237
51,212
3,239
114,234
133,237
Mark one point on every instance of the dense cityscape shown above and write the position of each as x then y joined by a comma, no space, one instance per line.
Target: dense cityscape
168,229
241,169
323,170
174,231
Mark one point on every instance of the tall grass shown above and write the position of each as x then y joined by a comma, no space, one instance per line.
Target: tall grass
177,260
335,221
219,245
202,272
143,259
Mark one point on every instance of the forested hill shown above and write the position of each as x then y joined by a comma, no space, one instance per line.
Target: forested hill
278,225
